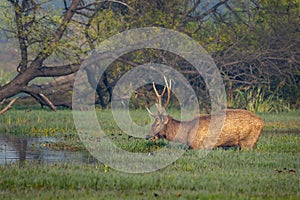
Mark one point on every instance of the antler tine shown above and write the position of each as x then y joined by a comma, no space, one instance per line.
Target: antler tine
156,93
159,96
168,86
149,111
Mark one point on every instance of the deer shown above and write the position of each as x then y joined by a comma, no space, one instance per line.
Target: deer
241,128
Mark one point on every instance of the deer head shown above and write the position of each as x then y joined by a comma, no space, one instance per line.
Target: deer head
158,128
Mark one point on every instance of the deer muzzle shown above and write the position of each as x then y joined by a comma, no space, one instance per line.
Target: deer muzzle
148,137
154,138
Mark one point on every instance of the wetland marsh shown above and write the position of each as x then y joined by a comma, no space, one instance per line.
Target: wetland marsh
271,170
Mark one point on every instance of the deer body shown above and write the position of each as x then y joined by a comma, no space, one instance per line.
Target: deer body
241,128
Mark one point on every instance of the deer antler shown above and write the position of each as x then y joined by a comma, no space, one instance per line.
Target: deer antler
150,113
167,87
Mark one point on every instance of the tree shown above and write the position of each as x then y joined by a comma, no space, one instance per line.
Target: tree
260,50
96,20
246,39
26,20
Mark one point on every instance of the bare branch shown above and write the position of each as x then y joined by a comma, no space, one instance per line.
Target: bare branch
103,1
3,101
235,14
62,70
9,105
47,101
187,12
58,33
194,7
209,11
41,98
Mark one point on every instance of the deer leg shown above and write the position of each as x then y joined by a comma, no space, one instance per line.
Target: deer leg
248,143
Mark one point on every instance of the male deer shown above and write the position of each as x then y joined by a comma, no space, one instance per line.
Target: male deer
241,128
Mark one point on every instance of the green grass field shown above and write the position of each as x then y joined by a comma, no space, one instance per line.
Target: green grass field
270,171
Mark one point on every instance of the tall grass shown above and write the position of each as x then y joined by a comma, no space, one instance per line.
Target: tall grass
257,100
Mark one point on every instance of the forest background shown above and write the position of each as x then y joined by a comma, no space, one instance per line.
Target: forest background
254,43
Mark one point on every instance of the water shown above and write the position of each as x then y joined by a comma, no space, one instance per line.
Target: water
18,149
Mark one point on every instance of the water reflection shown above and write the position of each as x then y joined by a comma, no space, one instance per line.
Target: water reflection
18,149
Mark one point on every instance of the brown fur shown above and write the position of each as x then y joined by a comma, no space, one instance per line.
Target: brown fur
241,128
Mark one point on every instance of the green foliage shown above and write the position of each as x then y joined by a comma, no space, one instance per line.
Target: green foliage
6,14
38,25
104,24
257,100
37,123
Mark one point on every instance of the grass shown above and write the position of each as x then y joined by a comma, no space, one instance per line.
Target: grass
258,100
271,170
222,174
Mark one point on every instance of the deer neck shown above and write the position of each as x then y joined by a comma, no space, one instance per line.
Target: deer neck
172,128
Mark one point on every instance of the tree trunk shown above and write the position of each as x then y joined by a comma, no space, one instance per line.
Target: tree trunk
58,91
